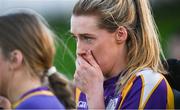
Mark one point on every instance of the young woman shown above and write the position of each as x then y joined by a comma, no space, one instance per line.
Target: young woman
27,75
118,56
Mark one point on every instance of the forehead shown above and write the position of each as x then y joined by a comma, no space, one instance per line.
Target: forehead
83,24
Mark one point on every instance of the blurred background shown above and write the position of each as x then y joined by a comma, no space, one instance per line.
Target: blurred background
58,13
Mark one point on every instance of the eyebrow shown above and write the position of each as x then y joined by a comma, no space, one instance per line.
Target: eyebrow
84,34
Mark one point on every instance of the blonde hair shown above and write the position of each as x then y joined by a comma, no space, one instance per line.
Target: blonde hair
143,44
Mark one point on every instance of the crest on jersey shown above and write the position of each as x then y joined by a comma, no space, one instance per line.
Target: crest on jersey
82,104
112,104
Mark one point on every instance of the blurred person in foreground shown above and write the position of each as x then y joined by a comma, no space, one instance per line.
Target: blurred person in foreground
28,78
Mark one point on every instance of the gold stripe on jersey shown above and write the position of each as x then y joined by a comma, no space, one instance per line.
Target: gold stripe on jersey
78,92
48,93
170,96
126,89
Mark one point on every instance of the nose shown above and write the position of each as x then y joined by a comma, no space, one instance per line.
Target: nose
80,48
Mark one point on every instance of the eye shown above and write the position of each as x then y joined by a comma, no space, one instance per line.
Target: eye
88,39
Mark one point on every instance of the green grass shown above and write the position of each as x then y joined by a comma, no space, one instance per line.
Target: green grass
66,46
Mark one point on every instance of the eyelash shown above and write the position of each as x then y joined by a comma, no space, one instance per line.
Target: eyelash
88,39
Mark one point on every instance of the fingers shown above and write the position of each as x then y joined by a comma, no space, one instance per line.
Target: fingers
76,80
88,73
82,73
81,61
79,80
90,59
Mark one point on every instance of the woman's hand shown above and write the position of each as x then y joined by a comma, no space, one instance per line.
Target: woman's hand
89,79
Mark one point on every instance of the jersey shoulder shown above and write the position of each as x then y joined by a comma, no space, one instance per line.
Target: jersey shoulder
41,102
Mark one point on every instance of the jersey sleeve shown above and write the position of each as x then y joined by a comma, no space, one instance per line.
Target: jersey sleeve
148,91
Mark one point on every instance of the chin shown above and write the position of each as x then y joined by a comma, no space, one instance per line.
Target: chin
107,75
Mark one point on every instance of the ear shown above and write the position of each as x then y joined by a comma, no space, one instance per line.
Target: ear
121,35
16,59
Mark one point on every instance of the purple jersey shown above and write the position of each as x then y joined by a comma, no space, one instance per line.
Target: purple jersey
145,90
39,98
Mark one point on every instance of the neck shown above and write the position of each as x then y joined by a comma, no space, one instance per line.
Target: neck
20,85
119,65
116,71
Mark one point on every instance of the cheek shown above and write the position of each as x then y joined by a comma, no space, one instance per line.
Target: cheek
104,57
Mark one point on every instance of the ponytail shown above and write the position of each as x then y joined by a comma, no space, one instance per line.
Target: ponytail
147,29
144,49
62,88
